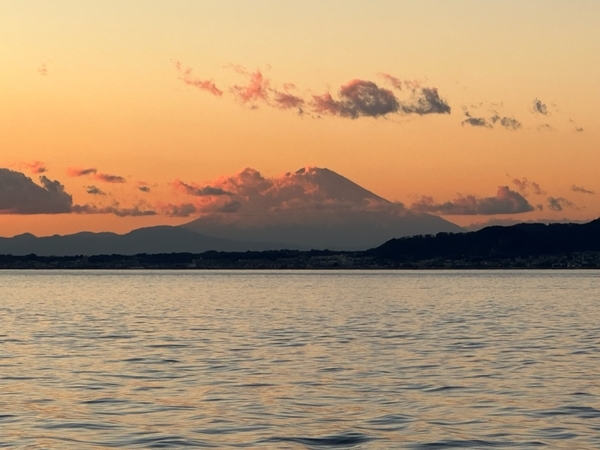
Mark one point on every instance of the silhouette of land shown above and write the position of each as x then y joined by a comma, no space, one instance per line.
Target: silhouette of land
522,246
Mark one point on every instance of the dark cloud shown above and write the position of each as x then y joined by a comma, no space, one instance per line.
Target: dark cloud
74,172
20,195
357,98
144,188
510,123
505,202
93,190
108,178
136,211
184,210
426,101
475,121
582,190
539,107
560,203
524,185
579,130
198,191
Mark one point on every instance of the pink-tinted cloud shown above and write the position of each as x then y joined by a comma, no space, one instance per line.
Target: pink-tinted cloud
504,202
43,70
35,167
75,172
257,88
394,81
204,85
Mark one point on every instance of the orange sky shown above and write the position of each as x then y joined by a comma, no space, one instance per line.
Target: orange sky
125,88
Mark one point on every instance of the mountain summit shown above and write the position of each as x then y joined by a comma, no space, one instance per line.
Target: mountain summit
310,208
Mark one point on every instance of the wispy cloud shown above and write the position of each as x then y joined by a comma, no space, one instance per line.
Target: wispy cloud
524,185
582,190
35,167
560,203
204,85
76,172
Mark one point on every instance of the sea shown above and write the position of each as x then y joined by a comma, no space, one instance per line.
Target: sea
300,359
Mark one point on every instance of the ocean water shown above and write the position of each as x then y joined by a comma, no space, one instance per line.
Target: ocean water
295,360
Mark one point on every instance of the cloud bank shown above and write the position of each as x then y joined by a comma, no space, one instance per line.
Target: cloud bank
20,195
505,202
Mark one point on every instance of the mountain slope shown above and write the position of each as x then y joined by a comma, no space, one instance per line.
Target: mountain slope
522,240
315,208
161,239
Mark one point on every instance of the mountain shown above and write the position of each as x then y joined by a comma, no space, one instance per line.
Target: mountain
517,241
312,208
161,239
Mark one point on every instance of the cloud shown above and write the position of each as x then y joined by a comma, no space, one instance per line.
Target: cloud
305,192
579,130
257,88
204,85
545,127
20,195
476,121
93,190
426,101
108,178
582,190
539,107
75,172
505,202
135,211
35,167
358,98
560,203
524,185
144,188
510,123
43,70
196,190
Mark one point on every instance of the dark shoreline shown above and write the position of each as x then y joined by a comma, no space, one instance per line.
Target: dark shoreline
295,260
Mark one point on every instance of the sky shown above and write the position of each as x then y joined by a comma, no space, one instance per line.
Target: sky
116,115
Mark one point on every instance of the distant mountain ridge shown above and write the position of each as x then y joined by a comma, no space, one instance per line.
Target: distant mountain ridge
516,241
161,239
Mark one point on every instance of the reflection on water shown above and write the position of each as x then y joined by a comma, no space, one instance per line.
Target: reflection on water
299,359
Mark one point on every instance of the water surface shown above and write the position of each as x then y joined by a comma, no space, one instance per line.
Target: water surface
299,360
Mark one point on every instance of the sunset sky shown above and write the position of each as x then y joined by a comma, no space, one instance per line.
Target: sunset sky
120,114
